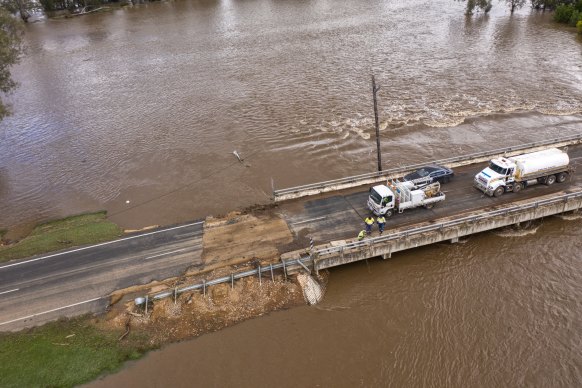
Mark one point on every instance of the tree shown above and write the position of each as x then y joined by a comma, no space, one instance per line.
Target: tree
20,7
11,49
484,5
513,4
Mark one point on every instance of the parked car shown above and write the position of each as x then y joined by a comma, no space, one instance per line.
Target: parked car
432,173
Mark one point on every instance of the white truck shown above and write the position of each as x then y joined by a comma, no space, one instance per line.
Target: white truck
398,196
516,172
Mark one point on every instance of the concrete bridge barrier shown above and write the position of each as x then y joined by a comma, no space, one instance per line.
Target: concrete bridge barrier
376,177
450,229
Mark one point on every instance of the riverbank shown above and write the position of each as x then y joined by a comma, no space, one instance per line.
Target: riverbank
81,349
82,229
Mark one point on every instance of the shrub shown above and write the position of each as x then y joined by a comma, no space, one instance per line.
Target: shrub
579,26
578,5
564,13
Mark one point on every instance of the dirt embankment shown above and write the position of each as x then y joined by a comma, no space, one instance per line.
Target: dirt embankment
234,243
193,314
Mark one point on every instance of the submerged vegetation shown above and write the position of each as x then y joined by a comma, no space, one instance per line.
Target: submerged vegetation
56,235
569,14
566,11
11,49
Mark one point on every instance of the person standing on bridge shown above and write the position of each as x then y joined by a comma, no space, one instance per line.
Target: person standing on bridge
381,222
369,221
361,235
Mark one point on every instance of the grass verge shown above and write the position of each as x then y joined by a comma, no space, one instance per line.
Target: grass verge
72,231
65,353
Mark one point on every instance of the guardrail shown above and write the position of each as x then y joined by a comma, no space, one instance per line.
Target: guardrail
307,261
227,279
439,226
378,176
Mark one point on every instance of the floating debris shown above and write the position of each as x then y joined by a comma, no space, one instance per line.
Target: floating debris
237,156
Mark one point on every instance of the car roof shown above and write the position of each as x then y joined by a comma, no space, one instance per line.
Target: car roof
435,167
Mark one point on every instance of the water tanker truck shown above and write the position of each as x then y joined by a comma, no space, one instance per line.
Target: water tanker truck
397,196
517,172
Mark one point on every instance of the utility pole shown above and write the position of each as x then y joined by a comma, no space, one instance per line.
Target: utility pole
374,90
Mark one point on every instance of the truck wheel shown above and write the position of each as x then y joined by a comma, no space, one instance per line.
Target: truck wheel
561,177
550,180
542,181
388,213
499,191
517,187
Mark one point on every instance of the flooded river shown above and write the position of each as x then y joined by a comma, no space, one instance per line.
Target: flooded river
497,310
138,111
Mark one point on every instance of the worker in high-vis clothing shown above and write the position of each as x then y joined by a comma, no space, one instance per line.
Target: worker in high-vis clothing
361,235
369,221
381,223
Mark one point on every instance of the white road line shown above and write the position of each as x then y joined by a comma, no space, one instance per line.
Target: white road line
99,245
303,222
49,311
165,253
6,292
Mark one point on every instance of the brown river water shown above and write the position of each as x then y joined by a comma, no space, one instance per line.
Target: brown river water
138,112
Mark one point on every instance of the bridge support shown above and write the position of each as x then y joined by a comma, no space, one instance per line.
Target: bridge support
454,240
387,255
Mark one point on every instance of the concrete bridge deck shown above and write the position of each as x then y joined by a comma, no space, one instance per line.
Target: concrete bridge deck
340,216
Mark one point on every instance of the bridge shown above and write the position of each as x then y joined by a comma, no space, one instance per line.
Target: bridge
78,281
334,218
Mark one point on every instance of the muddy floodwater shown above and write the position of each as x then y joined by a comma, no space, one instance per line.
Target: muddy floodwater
138,111
501,309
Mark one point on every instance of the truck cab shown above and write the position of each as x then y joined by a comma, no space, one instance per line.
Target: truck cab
381,200
499,174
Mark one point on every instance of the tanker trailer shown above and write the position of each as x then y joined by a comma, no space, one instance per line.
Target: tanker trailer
516,172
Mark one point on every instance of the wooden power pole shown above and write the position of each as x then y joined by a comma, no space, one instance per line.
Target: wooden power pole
374,90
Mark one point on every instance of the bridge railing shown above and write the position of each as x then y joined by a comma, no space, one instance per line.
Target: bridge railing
455,222
378,176
306,261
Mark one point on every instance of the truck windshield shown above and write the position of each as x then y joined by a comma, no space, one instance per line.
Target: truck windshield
498,169
375,196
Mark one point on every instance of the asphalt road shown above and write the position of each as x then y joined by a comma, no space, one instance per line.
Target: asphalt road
342,216
78,281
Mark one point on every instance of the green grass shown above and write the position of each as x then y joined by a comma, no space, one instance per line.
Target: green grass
61,234
45,357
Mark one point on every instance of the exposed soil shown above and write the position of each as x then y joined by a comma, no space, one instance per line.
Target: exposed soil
233,239
194,313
